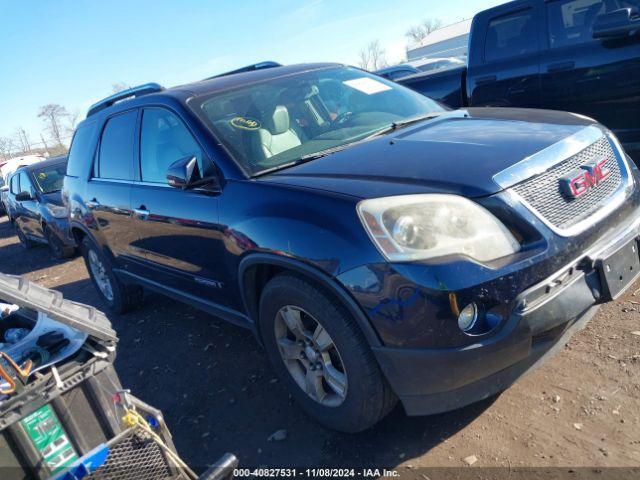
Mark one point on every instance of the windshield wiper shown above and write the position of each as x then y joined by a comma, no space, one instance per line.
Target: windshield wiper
392,127
306,158
325,152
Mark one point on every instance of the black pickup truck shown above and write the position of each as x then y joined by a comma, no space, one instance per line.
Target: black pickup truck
581,56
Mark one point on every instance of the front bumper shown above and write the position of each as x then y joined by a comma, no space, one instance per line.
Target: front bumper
434,380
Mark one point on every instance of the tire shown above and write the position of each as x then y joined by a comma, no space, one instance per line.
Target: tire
57,247
25,242
119,296
366,398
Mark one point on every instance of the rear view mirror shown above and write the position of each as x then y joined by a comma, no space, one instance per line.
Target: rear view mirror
183,173
619,23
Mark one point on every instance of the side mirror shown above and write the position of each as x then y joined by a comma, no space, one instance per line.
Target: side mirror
617,24
24,196
183,173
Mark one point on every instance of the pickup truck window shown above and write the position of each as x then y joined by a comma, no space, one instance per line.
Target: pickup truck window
116,147
571,21
511,35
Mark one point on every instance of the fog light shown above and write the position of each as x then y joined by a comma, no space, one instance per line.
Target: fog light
468,317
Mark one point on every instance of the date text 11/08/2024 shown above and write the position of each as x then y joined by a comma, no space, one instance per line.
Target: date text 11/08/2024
316,473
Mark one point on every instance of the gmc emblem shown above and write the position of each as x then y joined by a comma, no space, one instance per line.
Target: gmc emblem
583,179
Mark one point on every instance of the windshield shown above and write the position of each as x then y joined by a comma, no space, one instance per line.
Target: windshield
275,123
49,179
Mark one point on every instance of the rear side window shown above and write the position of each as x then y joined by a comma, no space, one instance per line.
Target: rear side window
115,156
571,21
164,139
80,153
511,36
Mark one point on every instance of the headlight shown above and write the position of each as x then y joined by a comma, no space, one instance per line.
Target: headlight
417,227
56,211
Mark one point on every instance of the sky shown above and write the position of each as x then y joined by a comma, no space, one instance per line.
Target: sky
71,52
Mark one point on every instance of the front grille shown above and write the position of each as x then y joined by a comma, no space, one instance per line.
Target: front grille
135,457
543,193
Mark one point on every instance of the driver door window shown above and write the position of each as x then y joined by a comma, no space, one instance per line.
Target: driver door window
15,184
25,183
165,139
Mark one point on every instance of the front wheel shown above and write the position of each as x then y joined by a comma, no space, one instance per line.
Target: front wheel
119,296
319,352
25,242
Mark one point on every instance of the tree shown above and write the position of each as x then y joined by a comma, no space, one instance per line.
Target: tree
23,140
372,56
72,121
7,145
417,33
53,114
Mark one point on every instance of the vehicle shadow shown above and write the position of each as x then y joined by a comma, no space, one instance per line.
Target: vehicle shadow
219,394
15,260
6,229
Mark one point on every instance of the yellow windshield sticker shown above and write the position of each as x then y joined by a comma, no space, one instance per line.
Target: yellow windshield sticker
245,123
42,175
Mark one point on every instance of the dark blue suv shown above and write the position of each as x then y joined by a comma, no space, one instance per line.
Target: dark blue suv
379,245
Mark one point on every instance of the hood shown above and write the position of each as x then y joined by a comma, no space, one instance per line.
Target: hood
459,152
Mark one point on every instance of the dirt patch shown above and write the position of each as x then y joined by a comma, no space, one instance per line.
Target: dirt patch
218,392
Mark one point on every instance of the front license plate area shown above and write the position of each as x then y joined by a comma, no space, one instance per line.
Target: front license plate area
619,270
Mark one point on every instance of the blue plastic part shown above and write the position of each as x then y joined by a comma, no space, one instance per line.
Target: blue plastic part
152,421
86,465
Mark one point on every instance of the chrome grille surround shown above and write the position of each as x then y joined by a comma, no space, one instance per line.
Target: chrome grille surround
534,182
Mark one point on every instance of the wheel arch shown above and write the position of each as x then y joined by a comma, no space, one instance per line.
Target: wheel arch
257,269
78,232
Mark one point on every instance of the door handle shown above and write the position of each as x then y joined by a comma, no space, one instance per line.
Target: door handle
141,211
487,79
91,204
561,66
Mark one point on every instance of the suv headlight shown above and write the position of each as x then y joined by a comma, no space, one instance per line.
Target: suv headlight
56,211
417,227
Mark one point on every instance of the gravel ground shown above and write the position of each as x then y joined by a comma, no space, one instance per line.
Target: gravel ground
218,393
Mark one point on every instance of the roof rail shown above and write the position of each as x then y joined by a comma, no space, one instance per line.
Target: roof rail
248,68
134,92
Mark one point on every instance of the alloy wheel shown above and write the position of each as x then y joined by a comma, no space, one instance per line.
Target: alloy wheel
311,356
100,275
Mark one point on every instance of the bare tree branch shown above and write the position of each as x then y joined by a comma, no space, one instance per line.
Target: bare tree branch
7,146
372,57
53,114
23,140
417,33
73,120
119,86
